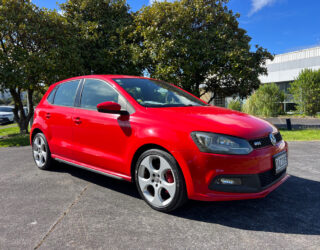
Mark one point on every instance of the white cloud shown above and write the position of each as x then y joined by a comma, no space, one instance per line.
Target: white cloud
61,12
259,4
152,1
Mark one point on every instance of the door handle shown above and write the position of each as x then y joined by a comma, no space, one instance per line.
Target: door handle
48,115
77,120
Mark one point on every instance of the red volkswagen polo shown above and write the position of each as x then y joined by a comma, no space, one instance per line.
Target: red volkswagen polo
171,144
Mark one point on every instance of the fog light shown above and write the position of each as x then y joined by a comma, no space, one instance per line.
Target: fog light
228,181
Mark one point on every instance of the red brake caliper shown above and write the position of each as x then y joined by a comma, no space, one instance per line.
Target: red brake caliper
169,176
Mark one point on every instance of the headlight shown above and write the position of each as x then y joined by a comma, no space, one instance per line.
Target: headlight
220,144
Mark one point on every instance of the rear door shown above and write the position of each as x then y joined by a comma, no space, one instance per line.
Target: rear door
100,139
58,117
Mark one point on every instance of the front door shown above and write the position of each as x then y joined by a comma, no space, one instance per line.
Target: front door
100,139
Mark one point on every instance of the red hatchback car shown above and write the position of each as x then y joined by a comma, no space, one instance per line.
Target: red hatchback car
171,144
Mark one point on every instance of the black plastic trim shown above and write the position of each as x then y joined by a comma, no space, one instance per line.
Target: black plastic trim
78,94
265,141
251,183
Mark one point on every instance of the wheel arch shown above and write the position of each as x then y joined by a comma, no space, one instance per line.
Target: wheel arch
181,164
33,133
139,151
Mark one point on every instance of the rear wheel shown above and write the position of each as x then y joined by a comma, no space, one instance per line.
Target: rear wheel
160,181
41,152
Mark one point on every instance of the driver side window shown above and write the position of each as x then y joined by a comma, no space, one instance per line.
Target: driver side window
95,92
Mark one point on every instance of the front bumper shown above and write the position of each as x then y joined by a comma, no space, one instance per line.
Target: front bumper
254,169
250,183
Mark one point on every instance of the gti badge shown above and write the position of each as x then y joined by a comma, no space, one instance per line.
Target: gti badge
257,143
272,139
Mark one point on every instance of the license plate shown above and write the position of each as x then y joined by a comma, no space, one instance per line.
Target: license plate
280,162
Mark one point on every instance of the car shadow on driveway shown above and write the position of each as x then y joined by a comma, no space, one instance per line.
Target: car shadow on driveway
98,179
293,208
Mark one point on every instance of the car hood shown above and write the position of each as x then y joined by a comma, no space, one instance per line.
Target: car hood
215,119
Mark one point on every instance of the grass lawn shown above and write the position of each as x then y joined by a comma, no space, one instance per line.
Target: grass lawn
301,135
10,137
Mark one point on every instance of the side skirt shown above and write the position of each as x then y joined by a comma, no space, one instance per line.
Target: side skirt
87,167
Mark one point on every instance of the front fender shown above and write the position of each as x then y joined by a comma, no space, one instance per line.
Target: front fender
168,139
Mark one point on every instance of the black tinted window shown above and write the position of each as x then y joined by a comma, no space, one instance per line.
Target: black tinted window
66,93
51,95
95,92
6,109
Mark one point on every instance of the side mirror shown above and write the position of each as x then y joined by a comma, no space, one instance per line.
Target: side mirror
112,108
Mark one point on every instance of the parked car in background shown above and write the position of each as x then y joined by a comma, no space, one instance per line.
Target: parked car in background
171,144
6,114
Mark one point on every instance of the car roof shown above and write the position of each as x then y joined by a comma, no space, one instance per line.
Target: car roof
104,76
110,76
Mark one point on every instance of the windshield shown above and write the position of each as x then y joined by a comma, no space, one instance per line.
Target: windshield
6,109
154,93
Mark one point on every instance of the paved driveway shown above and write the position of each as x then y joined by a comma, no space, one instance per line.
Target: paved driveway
76,209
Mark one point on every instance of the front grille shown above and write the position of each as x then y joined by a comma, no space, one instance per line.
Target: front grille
268,177
265,141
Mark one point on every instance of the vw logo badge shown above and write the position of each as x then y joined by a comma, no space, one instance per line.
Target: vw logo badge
272,139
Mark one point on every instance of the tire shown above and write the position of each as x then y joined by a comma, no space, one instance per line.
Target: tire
159,180
41,152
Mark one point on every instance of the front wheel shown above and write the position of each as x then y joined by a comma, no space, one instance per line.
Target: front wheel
41,152
160,181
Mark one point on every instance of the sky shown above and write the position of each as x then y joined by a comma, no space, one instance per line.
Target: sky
280,26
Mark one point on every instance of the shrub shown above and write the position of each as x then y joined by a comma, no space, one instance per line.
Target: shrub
234,105
306,91
266,101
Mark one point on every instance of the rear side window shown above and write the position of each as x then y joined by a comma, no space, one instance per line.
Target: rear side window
51,95
66,93
95,92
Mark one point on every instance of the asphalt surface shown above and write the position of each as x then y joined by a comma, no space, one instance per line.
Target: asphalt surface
70,208
296,123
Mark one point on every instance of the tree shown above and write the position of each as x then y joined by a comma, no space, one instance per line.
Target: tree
194,42
306,91
102,35
266,101
35,50
234,104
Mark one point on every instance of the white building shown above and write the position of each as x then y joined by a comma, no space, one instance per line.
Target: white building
285,68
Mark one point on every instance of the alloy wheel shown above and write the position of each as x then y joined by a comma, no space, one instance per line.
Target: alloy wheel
40,151
156,180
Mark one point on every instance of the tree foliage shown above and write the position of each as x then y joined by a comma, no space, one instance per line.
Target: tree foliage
187,42
266,101
234,104
306,91
194,42
102,34
35,50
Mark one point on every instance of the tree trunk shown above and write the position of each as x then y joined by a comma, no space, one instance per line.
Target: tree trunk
30,106
19,115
